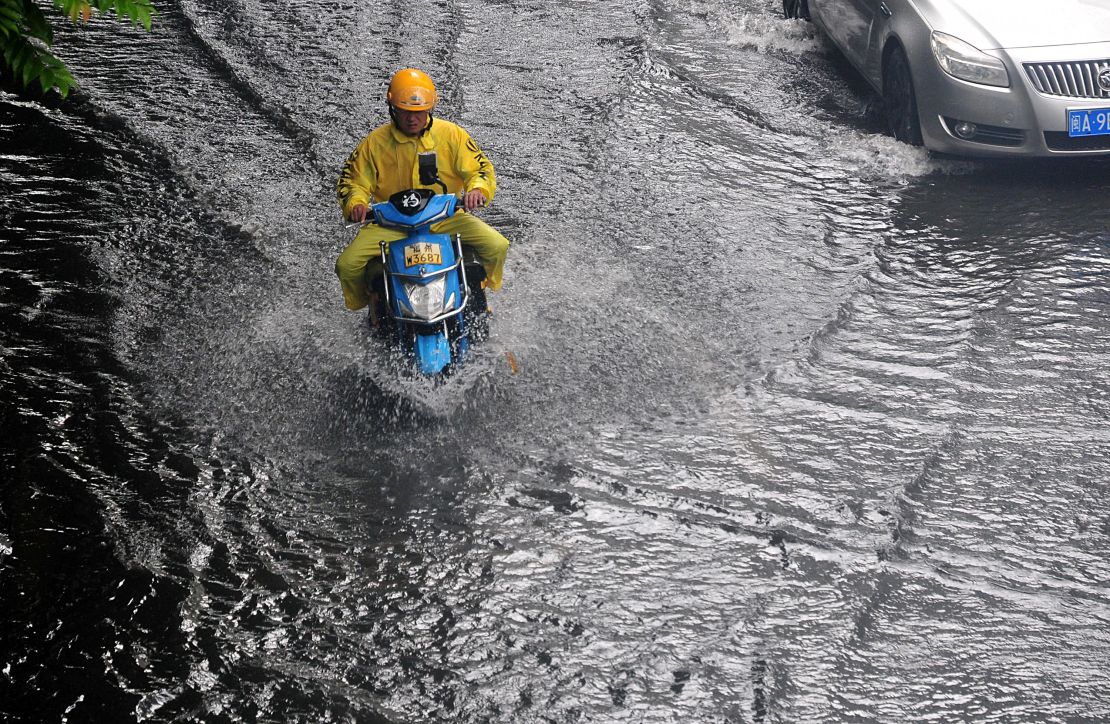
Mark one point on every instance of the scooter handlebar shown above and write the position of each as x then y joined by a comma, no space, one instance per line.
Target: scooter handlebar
460,205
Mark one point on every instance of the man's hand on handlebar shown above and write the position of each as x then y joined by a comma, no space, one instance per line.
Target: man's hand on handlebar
358,213
474,199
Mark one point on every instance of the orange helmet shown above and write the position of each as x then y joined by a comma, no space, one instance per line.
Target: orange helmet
411,90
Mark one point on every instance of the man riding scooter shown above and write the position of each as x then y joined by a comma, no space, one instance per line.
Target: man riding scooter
388,161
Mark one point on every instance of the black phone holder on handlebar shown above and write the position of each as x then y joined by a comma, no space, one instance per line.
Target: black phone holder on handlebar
429,169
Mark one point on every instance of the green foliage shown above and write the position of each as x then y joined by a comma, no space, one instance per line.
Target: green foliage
26,36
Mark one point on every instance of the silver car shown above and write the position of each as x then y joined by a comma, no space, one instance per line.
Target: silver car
981,77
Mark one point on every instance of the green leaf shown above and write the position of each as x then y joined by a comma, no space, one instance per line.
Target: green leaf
27,33
37,24
29,69
21,55
11,13
69,8
60,78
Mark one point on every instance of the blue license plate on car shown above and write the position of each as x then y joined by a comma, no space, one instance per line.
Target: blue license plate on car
1089,122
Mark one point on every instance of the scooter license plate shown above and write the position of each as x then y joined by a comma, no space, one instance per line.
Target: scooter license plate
423,253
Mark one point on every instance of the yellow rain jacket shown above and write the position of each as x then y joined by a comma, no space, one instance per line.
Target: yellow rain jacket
386,162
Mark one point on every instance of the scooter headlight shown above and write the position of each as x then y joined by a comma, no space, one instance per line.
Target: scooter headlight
966,62
426,300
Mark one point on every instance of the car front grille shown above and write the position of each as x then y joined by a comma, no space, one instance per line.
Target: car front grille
1069,80
1061,141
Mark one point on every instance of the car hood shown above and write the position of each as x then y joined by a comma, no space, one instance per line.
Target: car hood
996,24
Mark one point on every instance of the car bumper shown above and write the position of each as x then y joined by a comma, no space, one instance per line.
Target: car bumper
1014,121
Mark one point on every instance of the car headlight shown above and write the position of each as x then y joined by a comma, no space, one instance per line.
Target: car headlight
966,62
426,299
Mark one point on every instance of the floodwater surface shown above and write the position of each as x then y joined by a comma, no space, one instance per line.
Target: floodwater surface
808,425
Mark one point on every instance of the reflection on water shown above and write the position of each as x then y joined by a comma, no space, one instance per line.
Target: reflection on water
808,424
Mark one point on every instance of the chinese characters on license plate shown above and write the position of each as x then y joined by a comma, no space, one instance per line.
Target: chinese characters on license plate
422,253
1089,122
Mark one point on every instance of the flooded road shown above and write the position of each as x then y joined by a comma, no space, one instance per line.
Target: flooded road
808,425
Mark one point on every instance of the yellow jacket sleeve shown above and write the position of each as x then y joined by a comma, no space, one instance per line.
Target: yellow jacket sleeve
474,167
358,179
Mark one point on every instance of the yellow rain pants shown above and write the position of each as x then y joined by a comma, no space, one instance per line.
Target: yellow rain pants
362,258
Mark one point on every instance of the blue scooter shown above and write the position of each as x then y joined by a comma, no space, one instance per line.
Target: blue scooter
431,295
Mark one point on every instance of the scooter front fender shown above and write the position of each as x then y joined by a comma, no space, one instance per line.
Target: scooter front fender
433,352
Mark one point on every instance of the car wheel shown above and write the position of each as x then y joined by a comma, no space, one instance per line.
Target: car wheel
796,9
899,100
